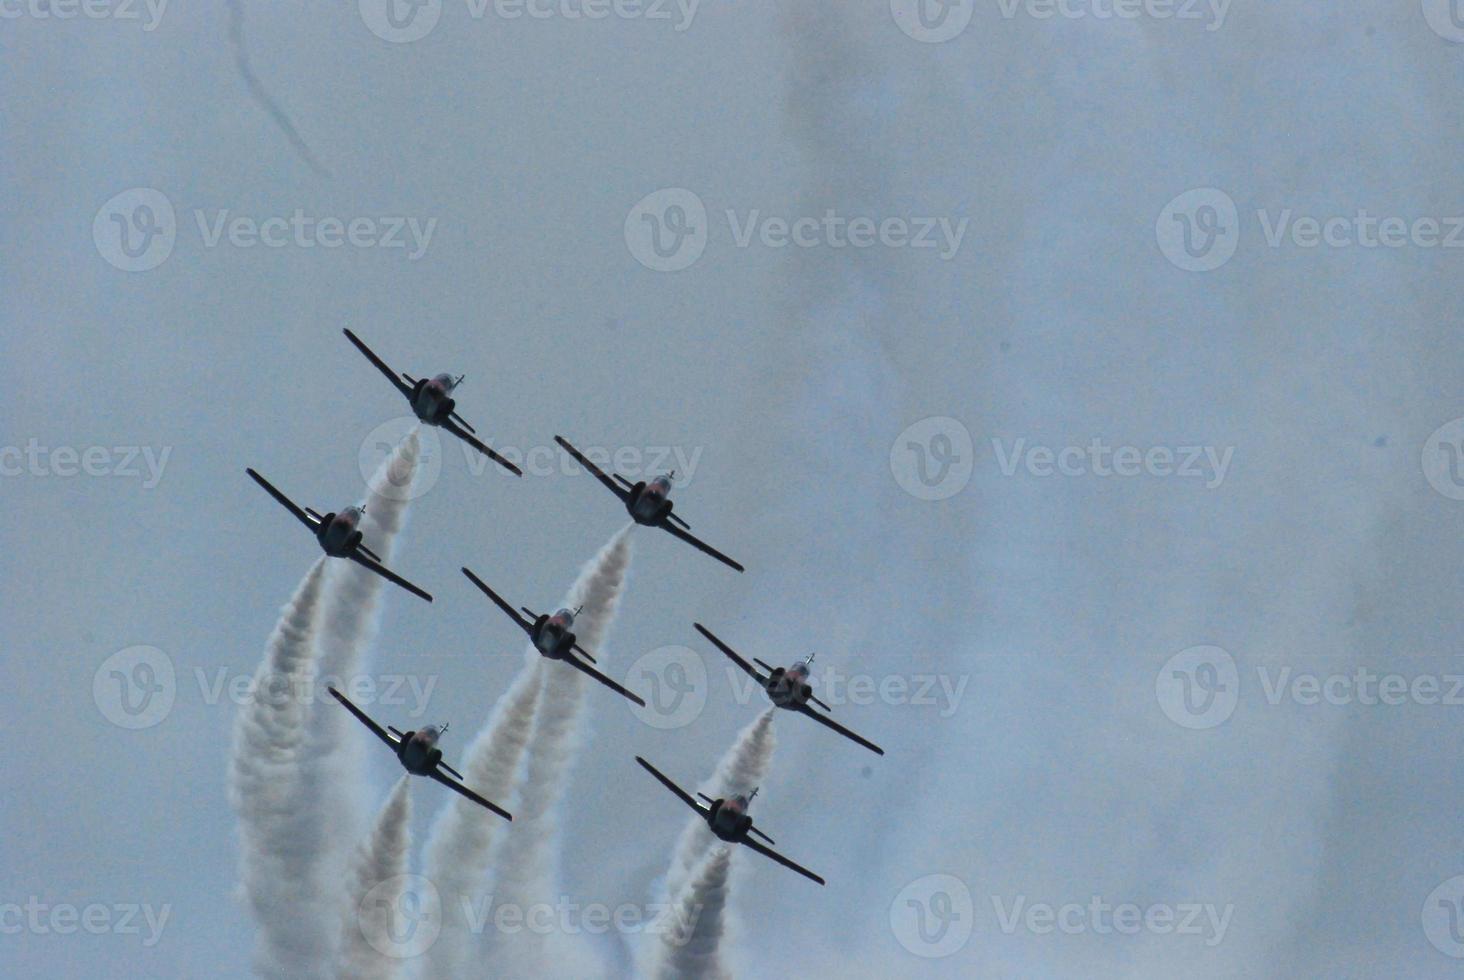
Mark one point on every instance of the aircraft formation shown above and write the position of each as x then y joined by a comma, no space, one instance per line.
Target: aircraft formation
339,535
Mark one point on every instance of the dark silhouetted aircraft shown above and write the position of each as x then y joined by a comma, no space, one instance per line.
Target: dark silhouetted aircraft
788,687
339,535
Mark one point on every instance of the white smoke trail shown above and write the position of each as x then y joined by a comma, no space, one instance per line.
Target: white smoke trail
461,842
279,832
527,872
380,861
347,626
691,947
741,770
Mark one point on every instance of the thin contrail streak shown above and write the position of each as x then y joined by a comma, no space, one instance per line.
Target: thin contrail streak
279,835
380,863
261,95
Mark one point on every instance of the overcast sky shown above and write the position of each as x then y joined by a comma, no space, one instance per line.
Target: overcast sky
1104,454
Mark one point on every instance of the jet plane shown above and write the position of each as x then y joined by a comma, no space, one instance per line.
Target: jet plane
648,504
727,818
431,399
552,636
339,535
788,687
419,754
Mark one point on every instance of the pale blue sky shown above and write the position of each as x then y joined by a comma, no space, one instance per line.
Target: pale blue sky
1053,602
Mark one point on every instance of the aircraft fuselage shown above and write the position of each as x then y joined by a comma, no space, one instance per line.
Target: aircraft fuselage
554,635
339,532
432,399
649,503
418,752
788,686
728,819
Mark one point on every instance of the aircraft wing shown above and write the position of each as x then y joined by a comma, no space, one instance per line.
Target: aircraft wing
388,574
462,433
825,719
289,504
458,787
599,474
380,364
762,848
732,655
362,717
665,781
576,662
700,545
513,613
